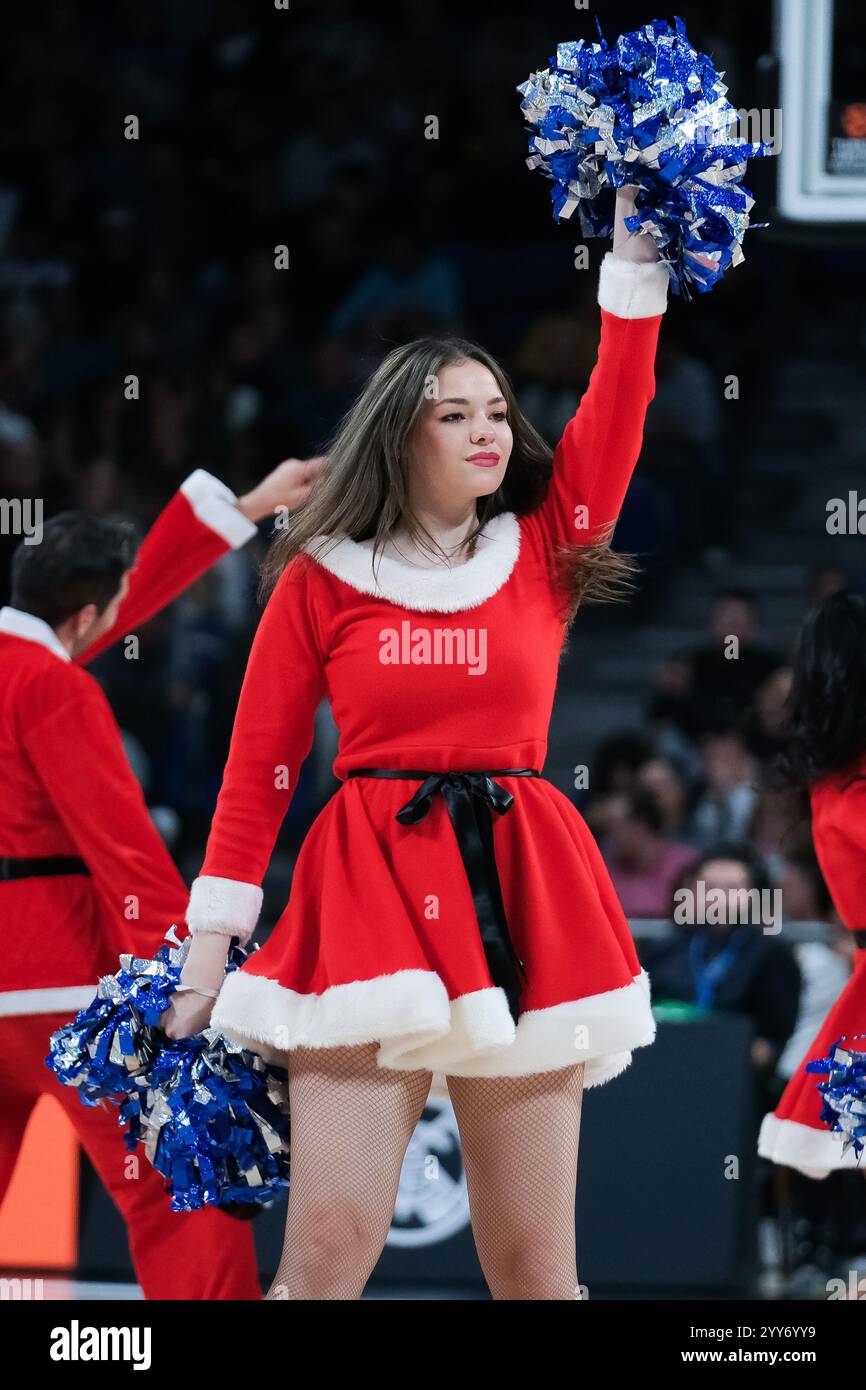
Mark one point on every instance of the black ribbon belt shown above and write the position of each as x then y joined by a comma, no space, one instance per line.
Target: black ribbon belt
47,866
860,939
469,798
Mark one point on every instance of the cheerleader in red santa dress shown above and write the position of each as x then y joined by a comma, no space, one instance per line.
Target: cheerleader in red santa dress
450,911
826,759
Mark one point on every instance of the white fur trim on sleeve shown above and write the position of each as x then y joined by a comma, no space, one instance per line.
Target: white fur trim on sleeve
214,504
632,289
223,905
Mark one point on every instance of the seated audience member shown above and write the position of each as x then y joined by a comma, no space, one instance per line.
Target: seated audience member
732,965
644,865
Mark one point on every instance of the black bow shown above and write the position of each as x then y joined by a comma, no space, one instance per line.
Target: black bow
469,798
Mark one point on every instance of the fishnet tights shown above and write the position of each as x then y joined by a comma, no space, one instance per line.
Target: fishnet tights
519,1136
351,1126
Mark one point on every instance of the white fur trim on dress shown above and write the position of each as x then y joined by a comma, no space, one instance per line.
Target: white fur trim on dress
632,289
418,1028
214,504
439,590
55,1000
223,905
815,1152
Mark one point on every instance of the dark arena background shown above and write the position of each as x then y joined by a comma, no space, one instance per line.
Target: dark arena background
242,207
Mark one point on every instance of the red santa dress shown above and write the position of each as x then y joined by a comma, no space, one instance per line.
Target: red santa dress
793,1134
389,932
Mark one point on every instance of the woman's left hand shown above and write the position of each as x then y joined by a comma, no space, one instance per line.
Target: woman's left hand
630,246
186,1015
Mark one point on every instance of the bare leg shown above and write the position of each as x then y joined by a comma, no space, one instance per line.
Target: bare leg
351,1125
520,1137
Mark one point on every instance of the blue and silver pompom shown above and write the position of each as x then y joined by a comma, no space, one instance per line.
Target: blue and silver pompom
213,1117
651,112
844,1092
214,1121
109,1046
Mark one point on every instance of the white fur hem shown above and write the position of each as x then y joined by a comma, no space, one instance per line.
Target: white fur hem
224,905
419,1029
632,289
57,999
214,504
815,1152
440,590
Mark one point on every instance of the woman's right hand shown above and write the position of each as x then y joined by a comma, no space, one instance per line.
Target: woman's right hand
186,1015
189,1012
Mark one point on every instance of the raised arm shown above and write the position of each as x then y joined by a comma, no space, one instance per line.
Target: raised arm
199,525
595,458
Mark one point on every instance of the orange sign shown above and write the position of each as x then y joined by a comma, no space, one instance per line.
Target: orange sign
39,1216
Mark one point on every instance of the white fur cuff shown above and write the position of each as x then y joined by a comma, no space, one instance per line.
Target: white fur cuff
632,289
214,505
224,905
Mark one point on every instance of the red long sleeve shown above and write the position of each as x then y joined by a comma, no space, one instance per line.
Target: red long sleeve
196,528
596,456
273,732
839,830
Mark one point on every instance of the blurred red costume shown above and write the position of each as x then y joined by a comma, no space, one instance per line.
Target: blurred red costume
68,790
444,670
793,1134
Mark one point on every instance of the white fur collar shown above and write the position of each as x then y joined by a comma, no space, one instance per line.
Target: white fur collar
19,623
436,590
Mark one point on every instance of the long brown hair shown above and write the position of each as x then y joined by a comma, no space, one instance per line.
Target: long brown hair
363,492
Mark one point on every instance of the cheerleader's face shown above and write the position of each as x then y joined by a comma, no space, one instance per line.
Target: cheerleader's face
461,444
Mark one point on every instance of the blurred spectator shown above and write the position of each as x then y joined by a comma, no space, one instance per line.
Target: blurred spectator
764,722
717,682
825,580
554,362
684,424
406,277
317,155
643,865
614,769
730,792
667,784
